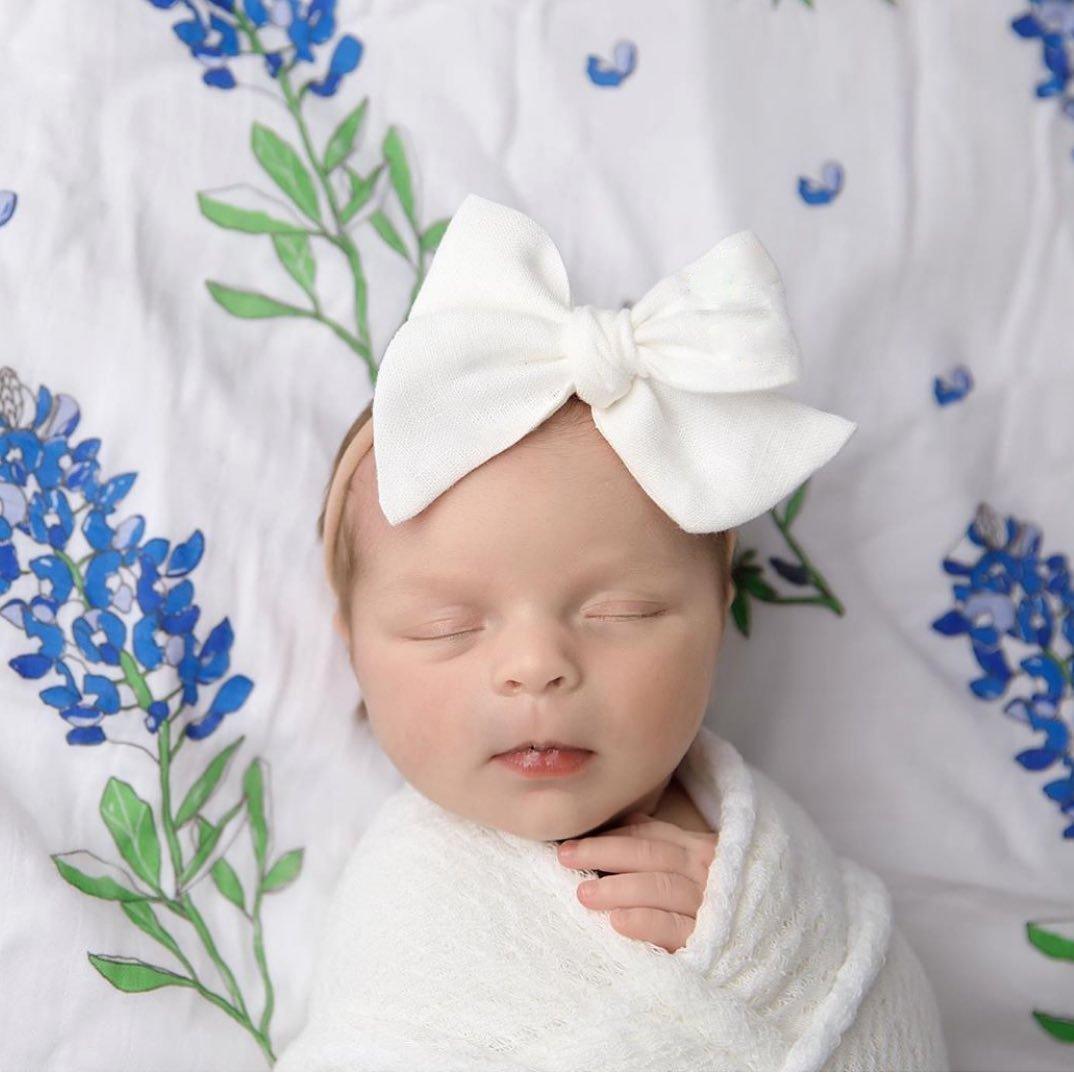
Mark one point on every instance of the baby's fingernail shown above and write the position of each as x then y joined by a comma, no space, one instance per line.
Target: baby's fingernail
567,850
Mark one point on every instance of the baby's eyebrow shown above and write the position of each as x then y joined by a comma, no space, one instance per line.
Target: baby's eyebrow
654,569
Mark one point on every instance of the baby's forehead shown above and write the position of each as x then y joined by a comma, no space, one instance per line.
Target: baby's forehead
558,490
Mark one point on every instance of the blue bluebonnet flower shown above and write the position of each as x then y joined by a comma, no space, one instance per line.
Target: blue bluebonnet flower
115,610
8,200
291,28
624,60
1053,22
953,386
1009,594
830,185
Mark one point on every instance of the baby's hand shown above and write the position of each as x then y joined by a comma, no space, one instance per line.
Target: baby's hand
663,871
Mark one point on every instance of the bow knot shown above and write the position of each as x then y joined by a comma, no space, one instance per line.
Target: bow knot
602,352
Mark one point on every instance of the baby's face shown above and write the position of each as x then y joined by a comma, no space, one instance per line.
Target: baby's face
477,625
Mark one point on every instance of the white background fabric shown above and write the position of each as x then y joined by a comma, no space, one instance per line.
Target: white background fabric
951,243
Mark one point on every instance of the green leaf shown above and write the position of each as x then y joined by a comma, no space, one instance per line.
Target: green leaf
752,582
386,230
1060,1028
296,256
431,236
361,191
130,820
341,144
740,612
253,786
133,975
399,171
251,304
1051,943
206,783
141,913
205,829
796,503
252,221
208,837
100,887
284,871
228,884
135,679
286,169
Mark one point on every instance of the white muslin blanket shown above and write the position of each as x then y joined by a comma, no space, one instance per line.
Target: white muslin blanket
450,945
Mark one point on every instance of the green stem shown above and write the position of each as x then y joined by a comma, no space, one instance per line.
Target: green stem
184,906
164,740
341,239
262,962
829,598
208,993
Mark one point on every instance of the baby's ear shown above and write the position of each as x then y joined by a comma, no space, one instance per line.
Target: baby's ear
340,627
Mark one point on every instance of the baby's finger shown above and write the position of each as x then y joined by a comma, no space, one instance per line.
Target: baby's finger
657,891
666,930
627,854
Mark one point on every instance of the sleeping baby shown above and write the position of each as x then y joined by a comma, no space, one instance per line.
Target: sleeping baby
530,534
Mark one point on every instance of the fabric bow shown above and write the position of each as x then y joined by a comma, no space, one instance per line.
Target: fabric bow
679,384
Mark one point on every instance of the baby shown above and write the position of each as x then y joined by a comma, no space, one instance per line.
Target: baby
535,639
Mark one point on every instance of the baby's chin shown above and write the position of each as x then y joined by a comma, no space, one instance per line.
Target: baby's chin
551,825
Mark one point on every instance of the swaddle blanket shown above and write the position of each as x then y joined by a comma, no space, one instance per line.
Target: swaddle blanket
454,946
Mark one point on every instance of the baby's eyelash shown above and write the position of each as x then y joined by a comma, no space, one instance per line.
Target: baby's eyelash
647,615
463,633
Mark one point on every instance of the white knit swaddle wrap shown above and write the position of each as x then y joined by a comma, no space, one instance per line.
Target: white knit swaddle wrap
449,945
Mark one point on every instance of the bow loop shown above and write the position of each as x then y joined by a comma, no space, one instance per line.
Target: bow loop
602,352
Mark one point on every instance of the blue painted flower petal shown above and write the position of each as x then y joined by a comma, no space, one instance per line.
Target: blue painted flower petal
60,697
344,60
1044,667
114,490
203,728
951,623
8,201
186,556
1036,759
146,650
105,692
57,574
255,12
1027,26
603,73
215,654
988,688
85,736
31,665
178,597
101,568
1060,790
232,695
219,78
156,715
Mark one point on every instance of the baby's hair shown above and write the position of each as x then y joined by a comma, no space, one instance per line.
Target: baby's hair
569,420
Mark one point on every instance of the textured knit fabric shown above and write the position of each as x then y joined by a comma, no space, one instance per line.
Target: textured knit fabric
454,946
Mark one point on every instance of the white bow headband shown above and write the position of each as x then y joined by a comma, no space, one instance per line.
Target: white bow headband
679,384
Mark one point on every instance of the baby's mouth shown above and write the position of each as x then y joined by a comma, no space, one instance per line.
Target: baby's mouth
543,747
